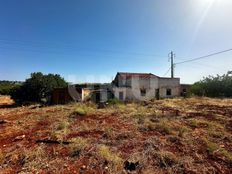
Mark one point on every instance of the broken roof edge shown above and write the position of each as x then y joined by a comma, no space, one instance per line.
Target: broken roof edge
136,74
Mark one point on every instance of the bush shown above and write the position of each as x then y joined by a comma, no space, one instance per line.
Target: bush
106,154
114,101
38,88
7,86
80,111
218,86
83,109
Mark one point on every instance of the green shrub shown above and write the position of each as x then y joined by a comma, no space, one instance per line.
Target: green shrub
37,88
114,101
104,152
211,146
81,109
7,86
214,86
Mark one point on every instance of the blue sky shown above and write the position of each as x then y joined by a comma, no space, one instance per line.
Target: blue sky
89,40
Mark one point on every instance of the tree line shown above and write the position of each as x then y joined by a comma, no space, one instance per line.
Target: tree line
6,86
214,86
37,88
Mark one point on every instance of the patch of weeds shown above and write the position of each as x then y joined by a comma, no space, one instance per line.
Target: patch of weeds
60,129
199,123
82,109
214,125
114,101
213,147
34,159
139,117
123,136
174,139
77,146
62,125
150,126
164,128
193,123
228,138
227,155
83,126
215,134
182,131
105,153
109,132
166,159
185,165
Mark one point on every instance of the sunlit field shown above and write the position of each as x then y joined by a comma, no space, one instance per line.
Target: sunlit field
191,135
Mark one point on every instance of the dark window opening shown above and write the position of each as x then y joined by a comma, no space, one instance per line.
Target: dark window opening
169,92
120,95
143,92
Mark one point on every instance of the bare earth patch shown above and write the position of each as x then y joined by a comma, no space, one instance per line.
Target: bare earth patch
166,136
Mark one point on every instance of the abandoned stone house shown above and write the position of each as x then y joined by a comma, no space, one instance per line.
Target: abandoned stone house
125,87
144,86
95,92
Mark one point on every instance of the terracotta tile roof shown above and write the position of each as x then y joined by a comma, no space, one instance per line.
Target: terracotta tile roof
142,75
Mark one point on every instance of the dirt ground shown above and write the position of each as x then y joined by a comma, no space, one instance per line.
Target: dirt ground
192,135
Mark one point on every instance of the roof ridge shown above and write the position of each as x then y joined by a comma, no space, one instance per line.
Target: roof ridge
136,74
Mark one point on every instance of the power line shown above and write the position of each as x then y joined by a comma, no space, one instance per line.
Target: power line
70,46
60,53
203,57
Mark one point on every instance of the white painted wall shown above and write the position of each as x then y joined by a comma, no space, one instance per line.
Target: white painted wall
150,84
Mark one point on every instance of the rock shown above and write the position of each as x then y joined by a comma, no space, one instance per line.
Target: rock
19,137
83,167
221,145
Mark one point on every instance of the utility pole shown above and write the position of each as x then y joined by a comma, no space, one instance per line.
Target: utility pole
171,56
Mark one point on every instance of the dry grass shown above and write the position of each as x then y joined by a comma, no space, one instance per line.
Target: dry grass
196,140
5,100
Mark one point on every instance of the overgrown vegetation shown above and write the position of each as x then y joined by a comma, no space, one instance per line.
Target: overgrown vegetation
111,157
37,88
81,109
114,101
214,86
7,86
214,148
128,138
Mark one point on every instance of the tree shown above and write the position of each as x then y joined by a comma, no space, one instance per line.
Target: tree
7,86
214,86
38,88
